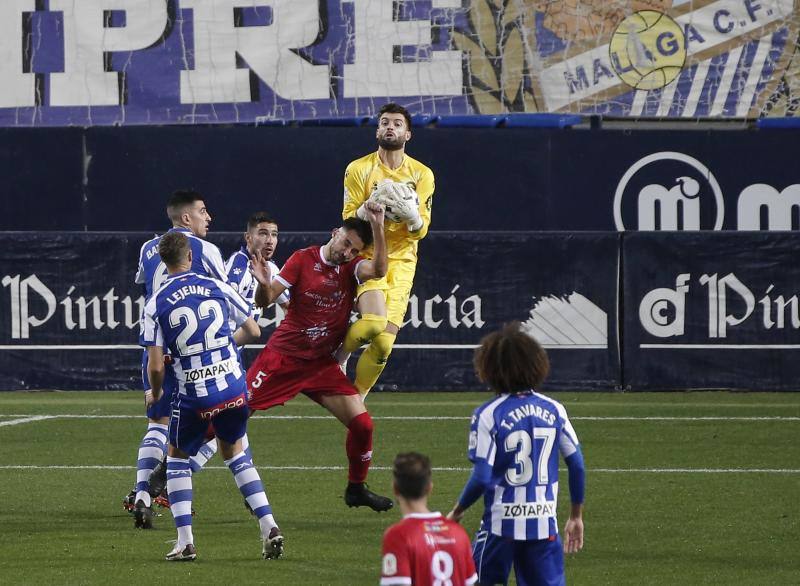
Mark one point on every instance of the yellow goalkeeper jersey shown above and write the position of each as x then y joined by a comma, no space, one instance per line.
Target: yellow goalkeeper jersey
362,177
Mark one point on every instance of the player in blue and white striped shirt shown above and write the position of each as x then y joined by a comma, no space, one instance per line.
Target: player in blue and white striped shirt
261,236
514,443
188,213
189,314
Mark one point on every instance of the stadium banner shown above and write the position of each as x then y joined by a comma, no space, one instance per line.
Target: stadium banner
118,62
711,311
69,309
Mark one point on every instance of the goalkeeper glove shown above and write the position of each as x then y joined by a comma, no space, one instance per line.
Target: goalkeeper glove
415,222
383,194
406,205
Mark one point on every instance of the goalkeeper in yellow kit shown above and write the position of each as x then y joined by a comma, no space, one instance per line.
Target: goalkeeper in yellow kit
405,186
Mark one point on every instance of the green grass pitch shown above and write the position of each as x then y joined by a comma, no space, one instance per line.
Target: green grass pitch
688,488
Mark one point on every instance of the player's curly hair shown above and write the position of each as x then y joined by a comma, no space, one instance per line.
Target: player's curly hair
412,474
392,108
510,361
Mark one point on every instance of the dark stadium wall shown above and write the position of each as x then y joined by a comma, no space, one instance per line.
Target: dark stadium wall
674,251
486,179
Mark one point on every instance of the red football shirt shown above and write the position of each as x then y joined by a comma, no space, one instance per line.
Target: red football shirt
321,299
425,549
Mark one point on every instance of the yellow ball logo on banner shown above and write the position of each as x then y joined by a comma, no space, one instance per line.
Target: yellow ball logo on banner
648,50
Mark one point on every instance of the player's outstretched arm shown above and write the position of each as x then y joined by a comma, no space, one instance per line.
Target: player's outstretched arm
378,265
268,290
246,333
155,373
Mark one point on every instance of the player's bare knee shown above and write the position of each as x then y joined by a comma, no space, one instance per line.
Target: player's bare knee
372,302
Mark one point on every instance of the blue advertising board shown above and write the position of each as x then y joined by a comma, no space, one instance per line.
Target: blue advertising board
69,309
711,311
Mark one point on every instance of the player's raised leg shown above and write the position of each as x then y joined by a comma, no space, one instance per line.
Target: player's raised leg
393,303
373,360
372,307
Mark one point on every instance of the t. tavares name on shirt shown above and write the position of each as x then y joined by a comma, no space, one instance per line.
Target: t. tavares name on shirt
524,411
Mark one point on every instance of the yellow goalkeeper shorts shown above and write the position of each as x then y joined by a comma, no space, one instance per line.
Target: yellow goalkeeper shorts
396,288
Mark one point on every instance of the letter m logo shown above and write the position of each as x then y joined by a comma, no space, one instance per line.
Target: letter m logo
762,207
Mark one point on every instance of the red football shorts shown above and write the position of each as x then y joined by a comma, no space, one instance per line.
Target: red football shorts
275,378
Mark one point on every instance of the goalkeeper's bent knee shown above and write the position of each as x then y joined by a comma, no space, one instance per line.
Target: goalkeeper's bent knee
382,345
364,331
373,361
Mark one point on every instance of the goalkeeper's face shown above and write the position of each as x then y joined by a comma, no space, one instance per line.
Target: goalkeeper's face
393,132
345,246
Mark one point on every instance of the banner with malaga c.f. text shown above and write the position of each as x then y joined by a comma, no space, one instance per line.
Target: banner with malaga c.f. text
118,62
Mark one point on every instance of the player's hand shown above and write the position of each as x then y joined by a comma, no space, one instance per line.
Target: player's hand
403,202
389,193
456,514
573,535
374,212
261,270
407,208
151,397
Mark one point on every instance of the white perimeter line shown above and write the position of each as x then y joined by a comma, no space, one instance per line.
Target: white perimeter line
724,346
259,346
27,418
447,469
71,347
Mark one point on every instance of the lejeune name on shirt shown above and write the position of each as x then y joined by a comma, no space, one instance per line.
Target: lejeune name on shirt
520,413
194,375
535,510
186,291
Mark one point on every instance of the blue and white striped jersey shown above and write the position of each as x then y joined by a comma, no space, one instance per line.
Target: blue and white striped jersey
241,278
189,314
519,436
206,260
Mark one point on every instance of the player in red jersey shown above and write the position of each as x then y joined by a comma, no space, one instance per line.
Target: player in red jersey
299,355
424,549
